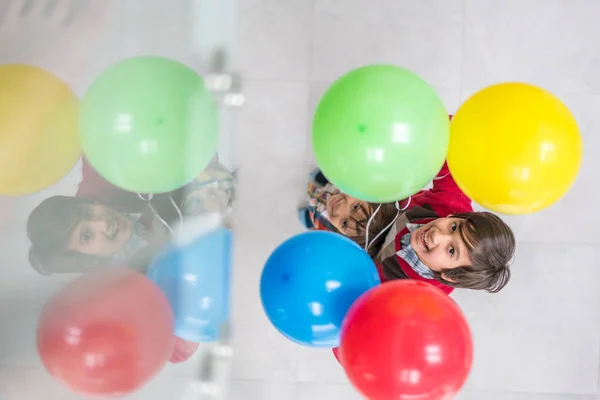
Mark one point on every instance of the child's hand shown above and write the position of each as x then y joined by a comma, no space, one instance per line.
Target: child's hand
183,350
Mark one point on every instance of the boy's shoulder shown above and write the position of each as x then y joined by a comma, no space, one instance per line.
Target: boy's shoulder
442,204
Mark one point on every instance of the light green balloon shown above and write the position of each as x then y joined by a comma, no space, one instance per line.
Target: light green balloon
149,125
380,133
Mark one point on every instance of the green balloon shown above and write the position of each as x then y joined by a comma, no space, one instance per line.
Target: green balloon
149,125
380,133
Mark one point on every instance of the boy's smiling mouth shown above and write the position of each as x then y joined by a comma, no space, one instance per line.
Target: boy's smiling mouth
425,238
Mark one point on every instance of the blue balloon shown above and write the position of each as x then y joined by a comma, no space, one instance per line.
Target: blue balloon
195,279
310,281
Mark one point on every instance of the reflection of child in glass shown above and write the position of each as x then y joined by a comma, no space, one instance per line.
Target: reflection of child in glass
433,236
105,225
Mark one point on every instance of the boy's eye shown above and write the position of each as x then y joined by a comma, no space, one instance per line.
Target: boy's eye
345,224
451,251
454,227
86,236
355,206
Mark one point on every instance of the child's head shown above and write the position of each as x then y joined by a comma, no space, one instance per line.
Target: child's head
71,223
470,250
79,228
350,215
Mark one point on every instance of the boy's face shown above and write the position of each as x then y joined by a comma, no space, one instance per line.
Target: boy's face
101,231
344,211
439,244
206,199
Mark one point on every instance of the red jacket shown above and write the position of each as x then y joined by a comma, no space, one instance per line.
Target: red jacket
443,199
93,186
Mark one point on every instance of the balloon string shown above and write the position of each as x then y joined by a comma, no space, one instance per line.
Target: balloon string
178,213
148,200
367,244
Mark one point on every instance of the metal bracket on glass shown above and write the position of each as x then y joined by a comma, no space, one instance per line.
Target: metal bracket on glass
225,83
215,361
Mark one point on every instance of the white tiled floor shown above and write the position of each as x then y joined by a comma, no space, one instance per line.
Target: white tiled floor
276,38
540,334
539,339
550,43
424,36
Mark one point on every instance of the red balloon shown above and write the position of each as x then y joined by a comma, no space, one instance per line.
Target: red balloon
406,340
106,333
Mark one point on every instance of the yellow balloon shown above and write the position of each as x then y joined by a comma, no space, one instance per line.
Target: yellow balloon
514,148
39,141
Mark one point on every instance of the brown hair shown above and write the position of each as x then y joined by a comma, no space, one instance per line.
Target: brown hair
489,240
491,244
49,227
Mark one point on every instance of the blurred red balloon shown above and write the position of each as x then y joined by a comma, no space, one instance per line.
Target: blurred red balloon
406,340
106,333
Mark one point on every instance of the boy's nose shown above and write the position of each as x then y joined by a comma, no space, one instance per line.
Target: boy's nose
99,225
439,238
347,208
